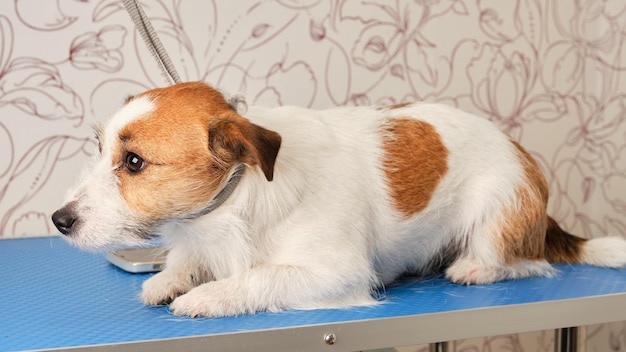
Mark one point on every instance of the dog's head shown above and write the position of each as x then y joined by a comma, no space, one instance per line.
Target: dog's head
164,155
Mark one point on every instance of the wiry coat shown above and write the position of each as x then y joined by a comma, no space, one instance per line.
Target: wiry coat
332,204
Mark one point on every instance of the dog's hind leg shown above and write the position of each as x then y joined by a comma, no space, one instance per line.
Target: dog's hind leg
471,270
500,249
505,244
505,226
493,253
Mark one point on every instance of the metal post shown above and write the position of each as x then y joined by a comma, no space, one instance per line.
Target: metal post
438,347
566,340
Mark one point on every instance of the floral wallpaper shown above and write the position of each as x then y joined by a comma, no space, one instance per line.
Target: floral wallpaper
548,72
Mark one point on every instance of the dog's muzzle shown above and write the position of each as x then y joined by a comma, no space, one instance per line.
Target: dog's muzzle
65,218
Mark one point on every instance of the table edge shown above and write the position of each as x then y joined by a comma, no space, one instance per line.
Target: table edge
397,331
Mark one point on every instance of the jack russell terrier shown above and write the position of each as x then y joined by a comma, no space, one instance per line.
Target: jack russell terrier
290,208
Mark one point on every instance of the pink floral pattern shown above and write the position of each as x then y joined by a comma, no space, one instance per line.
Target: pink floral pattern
99,51
549,73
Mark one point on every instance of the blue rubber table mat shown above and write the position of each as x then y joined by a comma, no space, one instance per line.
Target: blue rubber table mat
56,296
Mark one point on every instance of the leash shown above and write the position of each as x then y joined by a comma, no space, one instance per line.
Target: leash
150,37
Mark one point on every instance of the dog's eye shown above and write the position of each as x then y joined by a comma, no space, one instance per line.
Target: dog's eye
134,163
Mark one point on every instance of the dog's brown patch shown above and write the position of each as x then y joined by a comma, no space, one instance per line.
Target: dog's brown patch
414,161
521,231
182,173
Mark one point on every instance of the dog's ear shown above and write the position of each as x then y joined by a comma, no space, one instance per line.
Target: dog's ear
237,139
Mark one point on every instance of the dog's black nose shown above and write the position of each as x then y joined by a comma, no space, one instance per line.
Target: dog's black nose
64,219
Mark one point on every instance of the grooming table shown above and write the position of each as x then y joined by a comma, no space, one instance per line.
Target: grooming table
57,297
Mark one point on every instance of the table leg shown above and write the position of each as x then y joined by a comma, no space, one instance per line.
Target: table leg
438,347
566,340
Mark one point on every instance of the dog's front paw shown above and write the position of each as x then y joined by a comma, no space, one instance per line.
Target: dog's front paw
213,299
164,287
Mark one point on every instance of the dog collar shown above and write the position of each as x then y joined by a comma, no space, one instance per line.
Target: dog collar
222,195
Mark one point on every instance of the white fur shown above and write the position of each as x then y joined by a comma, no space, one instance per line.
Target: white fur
607,251
107,218
324,232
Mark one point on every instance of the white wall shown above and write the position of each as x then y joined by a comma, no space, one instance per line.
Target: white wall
549,73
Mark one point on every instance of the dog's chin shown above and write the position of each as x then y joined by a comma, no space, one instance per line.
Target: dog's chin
90,245
96,246
102,242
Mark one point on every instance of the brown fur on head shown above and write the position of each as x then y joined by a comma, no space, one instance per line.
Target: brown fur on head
189,143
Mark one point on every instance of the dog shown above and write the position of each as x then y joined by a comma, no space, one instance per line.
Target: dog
290,208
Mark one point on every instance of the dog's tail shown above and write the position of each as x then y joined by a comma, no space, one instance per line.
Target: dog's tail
563,247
